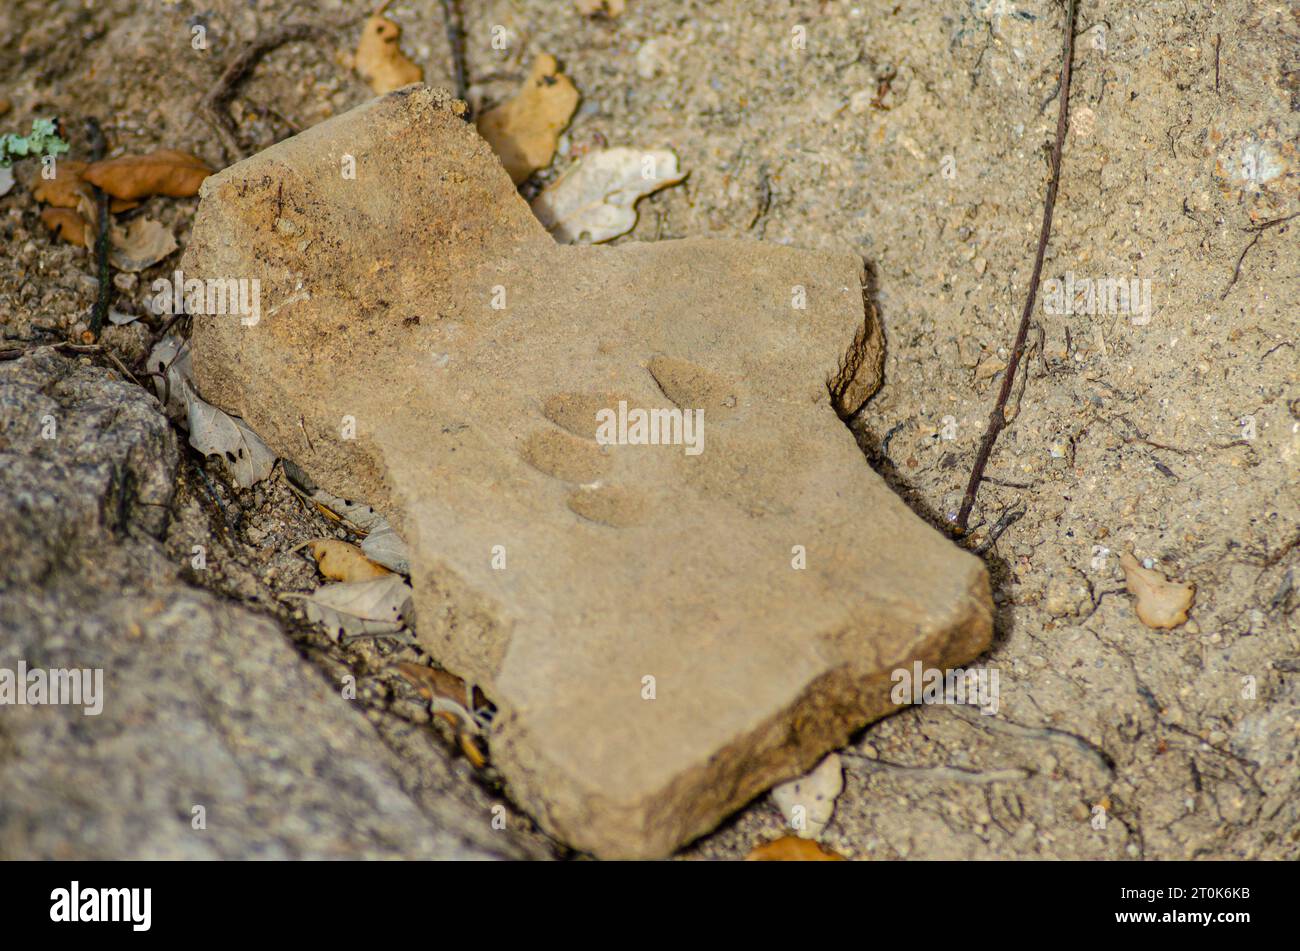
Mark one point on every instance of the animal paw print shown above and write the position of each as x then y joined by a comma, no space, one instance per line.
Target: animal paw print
573,455
691,386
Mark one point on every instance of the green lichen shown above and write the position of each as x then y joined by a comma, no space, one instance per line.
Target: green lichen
42,140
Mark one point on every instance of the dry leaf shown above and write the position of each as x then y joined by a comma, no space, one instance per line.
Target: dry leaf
351,608
213,432
434,683
595,199
69,225
524,130
809,801
360,516
161,172
67,189
6,180
793,849
605,8
1160,603
385,546
380,59
341,561
170,359
141,244
469,745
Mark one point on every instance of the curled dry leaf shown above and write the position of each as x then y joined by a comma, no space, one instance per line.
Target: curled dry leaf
213,432
380,59
431,682
450,698
1160,603
141,244
358,515
162,172
67,224
525,129
385,546
352,608
809,801
170,361
341,561
793,849
595,200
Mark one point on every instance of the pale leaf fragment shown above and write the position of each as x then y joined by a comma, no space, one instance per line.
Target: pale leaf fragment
385,546
595,199
141,244
341,561
360,516
525,130
354,608
170,361
213,432
380,59
809,801
1160,603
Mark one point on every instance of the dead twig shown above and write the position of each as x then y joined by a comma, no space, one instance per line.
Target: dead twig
1218,40
215,104
1259,230
997,419
1008,519
103,274
940,773
456,40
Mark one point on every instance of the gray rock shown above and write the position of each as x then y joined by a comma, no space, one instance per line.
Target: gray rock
205,704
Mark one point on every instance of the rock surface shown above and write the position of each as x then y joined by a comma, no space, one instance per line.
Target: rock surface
665,634
205,704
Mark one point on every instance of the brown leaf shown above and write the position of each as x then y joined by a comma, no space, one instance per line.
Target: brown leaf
68,224
524,130
343,562
142,243
67,189
161,172
432,682
793,849
1160,603
380,59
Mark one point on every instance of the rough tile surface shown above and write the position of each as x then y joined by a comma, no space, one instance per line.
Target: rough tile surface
424,345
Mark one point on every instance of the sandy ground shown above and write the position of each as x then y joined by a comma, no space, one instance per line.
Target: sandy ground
916,134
